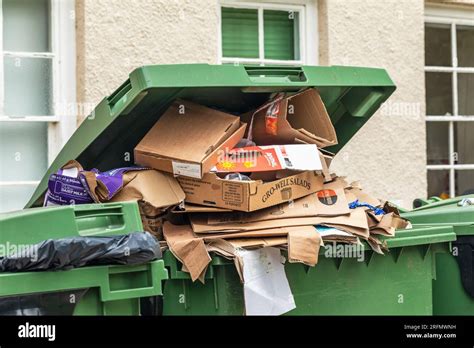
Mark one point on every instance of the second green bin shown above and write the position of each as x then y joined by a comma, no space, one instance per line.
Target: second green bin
453,288
95,290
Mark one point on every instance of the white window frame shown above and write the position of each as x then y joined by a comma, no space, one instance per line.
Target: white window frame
62,123
452,17
308,30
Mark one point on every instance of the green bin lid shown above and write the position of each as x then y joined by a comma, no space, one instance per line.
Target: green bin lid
106,138
457,212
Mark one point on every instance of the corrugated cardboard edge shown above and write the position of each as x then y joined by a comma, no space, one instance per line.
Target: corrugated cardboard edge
187,248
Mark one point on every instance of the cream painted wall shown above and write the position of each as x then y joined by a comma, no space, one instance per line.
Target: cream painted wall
389,153
116,36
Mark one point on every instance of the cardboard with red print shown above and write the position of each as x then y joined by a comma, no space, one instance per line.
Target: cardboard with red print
270,158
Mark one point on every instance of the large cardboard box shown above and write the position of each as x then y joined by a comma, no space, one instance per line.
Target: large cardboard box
300,118
188,139
214,191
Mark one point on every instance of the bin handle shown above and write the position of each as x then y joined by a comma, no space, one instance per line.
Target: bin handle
122,101
87,225
265,74
158,273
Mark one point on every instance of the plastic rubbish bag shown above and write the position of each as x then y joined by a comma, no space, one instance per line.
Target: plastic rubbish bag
68,253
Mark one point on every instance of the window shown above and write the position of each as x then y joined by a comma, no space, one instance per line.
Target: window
264,33
36,87
449,79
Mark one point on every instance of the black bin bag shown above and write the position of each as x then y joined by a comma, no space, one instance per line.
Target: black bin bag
67,253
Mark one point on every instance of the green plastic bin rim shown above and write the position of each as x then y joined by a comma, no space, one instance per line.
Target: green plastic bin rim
451,203
87,277
457,212
425,238
107,137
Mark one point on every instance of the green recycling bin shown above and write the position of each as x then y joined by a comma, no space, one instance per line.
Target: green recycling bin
453,287
397,283
95,290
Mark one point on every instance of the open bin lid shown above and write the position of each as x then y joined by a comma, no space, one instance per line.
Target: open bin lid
106,138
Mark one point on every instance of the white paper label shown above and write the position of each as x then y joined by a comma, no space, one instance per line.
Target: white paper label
187,169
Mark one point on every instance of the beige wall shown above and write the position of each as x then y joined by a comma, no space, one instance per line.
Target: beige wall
116,36
389,153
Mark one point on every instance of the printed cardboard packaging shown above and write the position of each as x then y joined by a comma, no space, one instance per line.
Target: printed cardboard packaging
299,118
249,195
297,157
329,201
188,139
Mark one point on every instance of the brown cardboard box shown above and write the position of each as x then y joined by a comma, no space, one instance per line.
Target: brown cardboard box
249,195
188,139
301,118
330,201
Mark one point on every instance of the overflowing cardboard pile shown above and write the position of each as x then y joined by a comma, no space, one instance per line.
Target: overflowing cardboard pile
259,180
212,182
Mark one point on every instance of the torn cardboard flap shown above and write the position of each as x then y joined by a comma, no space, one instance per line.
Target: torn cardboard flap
187,248
375,244
188,138
298,118
158,189
386,221
303,245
